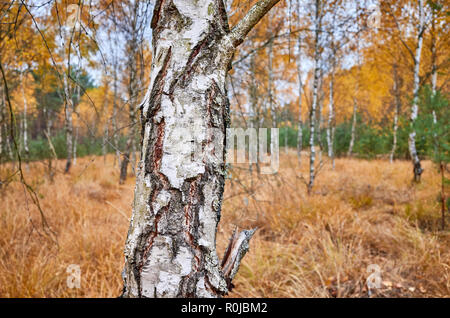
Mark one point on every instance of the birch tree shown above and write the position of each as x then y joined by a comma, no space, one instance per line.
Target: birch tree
415,107
420,26
25,115
331,119
300,92
312,114
170,249
355,97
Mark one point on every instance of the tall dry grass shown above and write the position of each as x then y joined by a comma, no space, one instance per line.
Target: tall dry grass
362,213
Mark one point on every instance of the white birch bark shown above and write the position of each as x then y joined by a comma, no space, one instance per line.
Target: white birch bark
312,117
415,107
68,111
320,119
330,126
75,140
170,249
355,98
300,91
433,71
25,119
353,130
68,103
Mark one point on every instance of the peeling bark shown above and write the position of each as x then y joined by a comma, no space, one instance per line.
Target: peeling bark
171,245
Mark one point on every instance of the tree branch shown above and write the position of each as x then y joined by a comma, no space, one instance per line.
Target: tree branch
237,248
253,16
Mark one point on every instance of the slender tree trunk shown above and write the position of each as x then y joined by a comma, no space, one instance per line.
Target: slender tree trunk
125,161
300,91
433,72
8,148
171,244
105,141
270,83
52,148
68,123
286,139
25,122
353,131
132,98
312,117
253,93
394,142
355,98
114,119
330,134
75,140
415,107
396,113
443,198
320,120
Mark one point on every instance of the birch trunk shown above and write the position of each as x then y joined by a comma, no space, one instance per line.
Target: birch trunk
300,91
25,122
270,85
355,98
68,103
68,123
170,249
114,119
415,107
353,131
312,117
330,126
286,140
433,72
320,120
75,140
253,93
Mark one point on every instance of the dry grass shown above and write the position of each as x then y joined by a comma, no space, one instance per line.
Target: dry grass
364,212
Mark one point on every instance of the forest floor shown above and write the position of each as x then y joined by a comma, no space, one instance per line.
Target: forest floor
364,215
